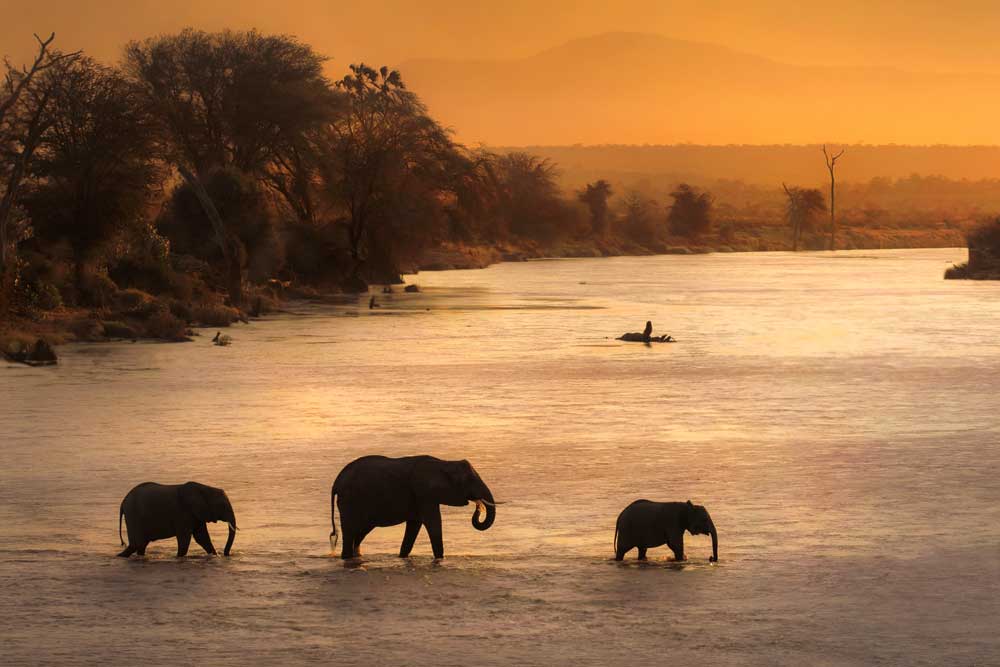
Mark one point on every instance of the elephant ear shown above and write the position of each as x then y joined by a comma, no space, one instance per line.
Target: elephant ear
193,499
440,483
688,513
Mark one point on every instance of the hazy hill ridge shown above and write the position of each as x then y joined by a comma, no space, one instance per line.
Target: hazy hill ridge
639,88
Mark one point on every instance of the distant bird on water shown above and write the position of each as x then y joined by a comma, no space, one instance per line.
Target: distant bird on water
222,340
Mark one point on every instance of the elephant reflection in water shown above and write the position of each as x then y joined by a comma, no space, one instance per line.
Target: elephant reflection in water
377,491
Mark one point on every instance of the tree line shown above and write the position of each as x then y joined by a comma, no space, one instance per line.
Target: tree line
214,162
232,158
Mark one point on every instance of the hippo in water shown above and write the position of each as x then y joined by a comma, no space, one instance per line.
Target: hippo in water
646,336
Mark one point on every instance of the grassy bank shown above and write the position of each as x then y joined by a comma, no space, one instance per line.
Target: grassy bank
746,239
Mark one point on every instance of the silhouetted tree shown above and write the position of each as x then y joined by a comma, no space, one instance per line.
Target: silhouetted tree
387,163
831,163
238,100
93,163
530,204
801,208
25,99
595,195
638,222
690,214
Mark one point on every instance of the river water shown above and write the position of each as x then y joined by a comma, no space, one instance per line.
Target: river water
837,415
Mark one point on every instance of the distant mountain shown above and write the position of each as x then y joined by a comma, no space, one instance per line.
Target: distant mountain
640,88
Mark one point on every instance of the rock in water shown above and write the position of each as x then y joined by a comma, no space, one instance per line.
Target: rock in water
39,354
411,288
42,353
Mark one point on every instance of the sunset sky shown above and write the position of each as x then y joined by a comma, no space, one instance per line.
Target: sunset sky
914,36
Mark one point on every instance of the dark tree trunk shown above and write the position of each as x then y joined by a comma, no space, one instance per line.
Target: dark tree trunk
234,272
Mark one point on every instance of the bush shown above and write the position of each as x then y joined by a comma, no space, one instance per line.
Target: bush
97,289
87,329
214,315
116,329
163,324
690,214
181,310
727,232
243,205
986,238
136,303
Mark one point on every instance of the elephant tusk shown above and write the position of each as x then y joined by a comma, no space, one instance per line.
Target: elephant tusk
488,503
232,526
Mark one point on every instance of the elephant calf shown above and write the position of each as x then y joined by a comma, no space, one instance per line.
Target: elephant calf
157,511
646,524
377,491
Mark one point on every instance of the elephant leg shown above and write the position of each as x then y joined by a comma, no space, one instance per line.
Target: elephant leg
431,518
676,545
347,549
141,548
129,550
361,535
203,539
183,542
642,553
621,549
350,537
412,530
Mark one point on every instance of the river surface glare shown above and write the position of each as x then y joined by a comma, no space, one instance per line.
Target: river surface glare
836,413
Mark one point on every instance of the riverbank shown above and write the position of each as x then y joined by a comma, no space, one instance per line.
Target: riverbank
132,314
129,315
739,238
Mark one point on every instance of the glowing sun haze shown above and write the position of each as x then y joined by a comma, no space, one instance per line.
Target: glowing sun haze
548,72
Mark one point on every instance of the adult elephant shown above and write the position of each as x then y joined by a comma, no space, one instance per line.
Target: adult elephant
157,511
377,491
645,524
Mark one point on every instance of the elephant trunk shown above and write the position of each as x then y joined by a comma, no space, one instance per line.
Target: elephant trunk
491,510
715,545
232,532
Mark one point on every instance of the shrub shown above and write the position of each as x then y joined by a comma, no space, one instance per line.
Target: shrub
214,315
97,289
986,238
182,310
136,303
116,329
690,214
163,324
87,329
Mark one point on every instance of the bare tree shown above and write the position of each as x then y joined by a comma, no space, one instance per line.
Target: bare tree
23,121
831,163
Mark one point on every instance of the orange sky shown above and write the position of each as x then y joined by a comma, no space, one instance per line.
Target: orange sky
917,34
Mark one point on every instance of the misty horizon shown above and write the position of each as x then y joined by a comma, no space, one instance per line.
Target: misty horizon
559,76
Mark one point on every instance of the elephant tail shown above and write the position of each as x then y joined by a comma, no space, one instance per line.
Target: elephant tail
616,540
121,512
333,517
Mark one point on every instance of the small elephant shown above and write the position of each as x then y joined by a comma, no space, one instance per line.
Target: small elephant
157,511
646,524
377,491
